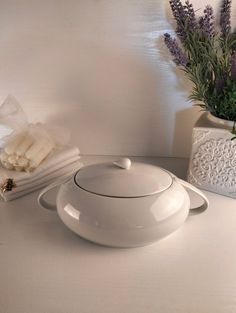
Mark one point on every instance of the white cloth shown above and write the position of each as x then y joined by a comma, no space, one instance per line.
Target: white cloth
61,164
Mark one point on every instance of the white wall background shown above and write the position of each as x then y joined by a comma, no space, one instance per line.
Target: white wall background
98,67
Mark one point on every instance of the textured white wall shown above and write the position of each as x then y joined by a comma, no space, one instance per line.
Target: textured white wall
98,67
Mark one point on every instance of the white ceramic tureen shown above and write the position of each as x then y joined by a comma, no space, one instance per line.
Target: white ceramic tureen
123,204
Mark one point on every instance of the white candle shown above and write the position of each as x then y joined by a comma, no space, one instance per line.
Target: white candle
7,165
13,144
35,148
41,155
24,145
22,161
12,159
3,156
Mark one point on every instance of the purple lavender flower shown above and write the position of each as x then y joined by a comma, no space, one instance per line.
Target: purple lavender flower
180,57
185,18
190,14
225,23
180,16
206,22
233,65
177,9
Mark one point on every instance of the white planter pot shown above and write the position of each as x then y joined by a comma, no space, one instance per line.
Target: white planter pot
213,158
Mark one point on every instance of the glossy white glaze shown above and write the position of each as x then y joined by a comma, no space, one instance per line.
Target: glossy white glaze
124,163
122,221
108,179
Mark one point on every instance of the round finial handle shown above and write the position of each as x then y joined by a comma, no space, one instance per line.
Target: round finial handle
124,163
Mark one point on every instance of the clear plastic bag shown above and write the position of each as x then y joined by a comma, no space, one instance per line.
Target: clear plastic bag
12,119
23,145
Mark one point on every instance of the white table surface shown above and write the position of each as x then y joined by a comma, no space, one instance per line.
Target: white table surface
45,268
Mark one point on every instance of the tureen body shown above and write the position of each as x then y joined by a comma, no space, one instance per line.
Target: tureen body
119,212
122,222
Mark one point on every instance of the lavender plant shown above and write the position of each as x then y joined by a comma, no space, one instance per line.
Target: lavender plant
207,54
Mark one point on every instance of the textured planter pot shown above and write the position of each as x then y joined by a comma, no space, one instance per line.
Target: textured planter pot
213,158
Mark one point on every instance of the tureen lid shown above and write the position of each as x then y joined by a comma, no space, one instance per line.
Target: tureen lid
123,179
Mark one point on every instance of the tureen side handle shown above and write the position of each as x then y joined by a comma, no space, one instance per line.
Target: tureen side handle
200,208
42,202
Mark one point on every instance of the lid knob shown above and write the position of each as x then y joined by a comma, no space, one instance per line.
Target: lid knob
124,163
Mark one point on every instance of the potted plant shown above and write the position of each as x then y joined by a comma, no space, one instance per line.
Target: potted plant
206,51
